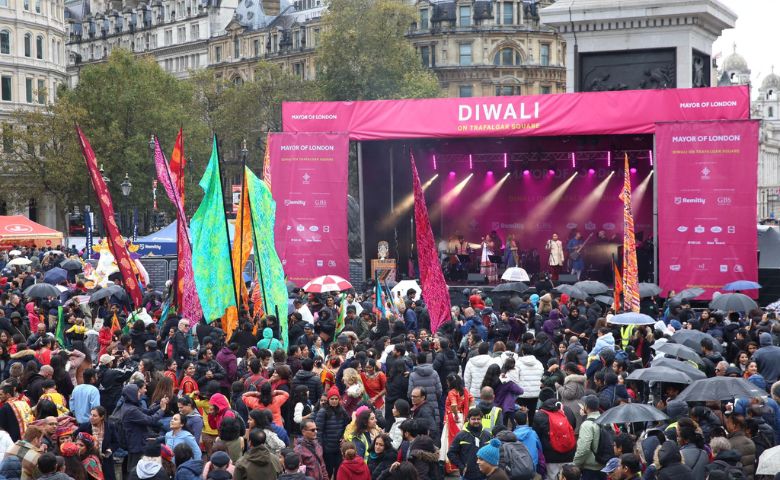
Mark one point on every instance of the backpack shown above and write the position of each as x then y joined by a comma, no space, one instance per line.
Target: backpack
604,450
115,419
561,432
516,461
734,472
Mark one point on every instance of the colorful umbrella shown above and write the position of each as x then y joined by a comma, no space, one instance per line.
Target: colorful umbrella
327,283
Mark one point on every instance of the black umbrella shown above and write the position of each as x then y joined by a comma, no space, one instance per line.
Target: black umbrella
518,287
592,287
571,291
688,294
99,295
719,389
693,338
660,374
631,413
55,275
41,290
678,350
692,372
733,302
72,265
649,290
605,299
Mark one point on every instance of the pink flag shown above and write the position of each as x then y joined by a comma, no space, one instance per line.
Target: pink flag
434,288
190,303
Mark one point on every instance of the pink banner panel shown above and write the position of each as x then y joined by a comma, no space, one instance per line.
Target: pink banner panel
707,194
626,112
309,172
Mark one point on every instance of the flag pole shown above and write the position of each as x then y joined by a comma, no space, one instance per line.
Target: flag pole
227,227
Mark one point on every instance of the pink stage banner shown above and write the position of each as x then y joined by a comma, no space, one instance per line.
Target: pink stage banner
310,190
707,194
603,113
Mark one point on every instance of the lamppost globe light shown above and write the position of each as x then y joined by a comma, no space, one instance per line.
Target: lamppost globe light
127,187
151,143
103,174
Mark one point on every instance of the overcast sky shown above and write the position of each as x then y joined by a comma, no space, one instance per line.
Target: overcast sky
754,35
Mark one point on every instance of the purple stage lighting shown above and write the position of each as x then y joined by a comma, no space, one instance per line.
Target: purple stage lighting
471,163
591,171
505,162
573,160
452,174
526,173
650,152
434,161
609,159
632,170
490,173
551,172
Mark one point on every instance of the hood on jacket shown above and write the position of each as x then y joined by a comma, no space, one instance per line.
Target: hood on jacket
424,449
732,457
506,436
551,405
215,474
147,468
425,369
669,454
303,375
529,361
356,468
522,433
481,361
130,394
194,466
573,388
268,333
219,401
259,455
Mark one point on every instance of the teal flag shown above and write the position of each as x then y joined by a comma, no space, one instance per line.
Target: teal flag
270,271
211,262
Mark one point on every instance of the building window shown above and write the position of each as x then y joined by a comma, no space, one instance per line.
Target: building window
424,24
771,112
236,48
168,37
181,34
5,42
465,16
425,55
5,86
26,5
217,54
194,31
464,54
298,70
37,6
39,47
316,37
465,91
3,3
256,47
27,45
544,54
507,57
508,16
28,86
42,91
507,90
545,89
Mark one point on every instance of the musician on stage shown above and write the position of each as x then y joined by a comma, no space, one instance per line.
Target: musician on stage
574,248
556,259
511,252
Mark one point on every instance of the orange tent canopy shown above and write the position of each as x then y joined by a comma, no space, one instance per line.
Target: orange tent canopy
19,230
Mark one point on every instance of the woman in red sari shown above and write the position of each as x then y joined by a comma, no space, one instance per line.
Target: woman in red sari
170,372
188,384
458,402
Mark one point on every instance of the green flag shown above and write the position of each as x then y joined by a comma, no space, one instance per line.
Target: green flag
270,272
60,333
211,263
342,314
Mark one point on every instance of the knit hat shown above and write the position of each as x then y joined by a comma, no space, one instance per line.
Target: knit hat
220,459
152,449
334,392
65,426
166,453
69,449
765,339
489,453
676,325
611,465
555,315
86,438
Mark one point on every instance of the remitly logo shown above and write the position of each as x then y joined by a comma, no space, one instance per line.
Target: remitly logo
498,111
684,200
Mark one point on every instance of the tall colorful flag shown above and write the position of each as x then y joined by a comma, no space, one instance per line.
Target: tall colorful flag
60,332
116,243
267,160
269,267
380,302
342,313
177,165
242,247
186,295
618,290
211,262
630,268
434,288
176,176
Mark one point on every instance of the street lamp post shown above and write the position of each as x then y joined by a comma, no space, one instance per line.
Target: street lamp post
154,186
127,187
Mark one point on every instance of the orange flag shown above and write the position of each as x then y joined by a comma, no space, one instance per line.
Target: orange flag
242,247
177,164
618,290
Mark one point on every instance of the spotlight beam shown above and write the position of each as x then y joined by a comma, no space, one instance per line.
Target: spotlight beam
486,199
590,202
639,192
449,197
543,208
403,206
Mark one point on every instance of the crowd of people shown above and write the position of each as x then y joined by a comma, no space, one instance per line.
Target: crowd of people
504,389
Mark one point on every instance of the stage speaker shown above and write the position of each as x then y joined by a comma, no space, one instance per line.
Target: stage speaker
477,278
567,278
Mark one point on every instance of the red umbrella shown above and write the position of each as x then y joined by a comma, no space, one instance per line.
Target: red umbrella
327,283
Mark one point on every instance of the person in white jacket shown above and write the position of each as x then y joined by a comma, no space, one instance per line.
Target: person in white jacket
512,374
476,368
531,371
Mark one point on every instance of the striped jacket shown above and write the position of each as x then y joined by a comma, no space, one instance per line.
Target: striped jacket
28,455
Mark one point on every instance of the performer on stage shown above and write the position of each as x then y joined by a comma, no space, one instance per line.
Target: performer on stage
488,268
555,247
574,248
511,252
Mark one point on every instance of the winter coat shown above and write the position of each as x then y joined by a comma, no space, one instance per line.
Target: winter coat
445,363
330,428
587,444
530,439
354,469
257,463
202,367
184,437
746,449
506,393
379,464
697,459
531,371
424,376
134,421
148,470
227,360
428,413
475,373
541,426
729,457
311,381
110,382
423,454
672,467
604,341
579,350
269,342
463,451
611,396
571,393
312,457
190,470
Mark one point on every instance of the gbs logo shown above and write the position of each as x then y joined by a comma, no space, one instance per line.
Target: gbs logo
724,201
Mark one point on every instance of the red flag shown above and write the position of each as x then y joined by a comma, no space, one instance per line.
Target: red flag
177,174
630,268
177,165
618,286
434,288
115,240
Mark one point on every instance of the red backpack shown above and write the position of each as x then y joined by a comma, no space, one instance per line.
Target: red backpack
561,432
